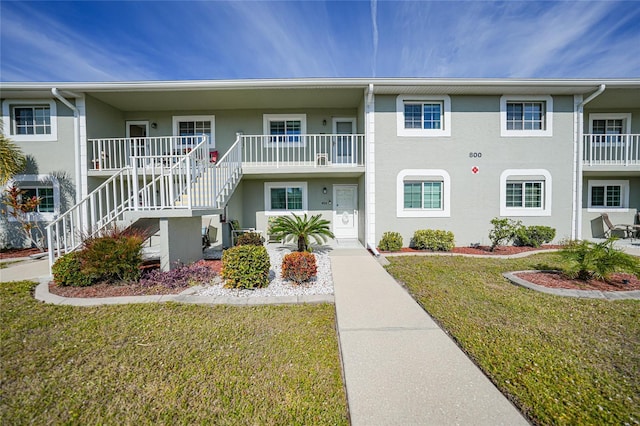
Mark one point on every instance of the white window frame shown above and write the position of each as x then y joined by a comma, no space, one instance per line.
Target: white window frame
266,129
38,181
548,116
424,175
267,198
547,187
603,139
445,129
177,119
9,120
624,196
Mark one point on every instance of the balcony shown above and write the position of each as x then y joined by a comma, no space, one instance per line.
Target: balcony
619,151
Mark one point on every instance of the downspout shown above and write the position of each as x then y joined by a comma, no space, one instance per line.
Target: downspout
76,144
577,202
369,198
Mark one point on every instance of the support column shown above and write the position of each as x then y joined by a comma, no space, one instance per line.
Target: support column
180,241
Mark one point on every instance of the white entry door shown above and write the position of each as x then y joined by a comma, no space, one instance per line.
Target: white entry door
345,211
138,131
343,145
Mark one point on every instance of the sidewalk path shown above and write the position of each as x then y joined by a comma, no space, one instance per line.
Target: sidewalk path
399,366
27,269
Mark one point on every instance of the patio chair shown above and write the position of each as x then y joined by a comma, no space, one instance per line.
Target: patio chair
627,229
206,240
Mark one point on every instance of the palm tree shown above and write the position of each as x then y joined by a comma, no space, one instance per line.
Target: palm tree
302,228
12,160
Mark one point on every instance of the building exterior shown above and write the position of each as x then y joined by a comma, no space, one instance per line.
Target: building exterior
370,155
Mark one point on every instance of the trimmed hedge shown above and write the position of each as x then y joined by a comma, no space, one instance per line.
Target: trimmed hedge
246,267
299,267
390,241
433,239
250,239
534,236
67,271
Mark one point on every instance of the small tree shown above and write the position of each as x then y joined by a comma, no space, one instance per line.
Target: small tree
21,208
301,228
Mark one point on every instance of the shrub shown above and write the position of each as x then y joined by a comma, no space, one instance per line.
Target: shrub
114,256
503,232
301,229
181,276
67,271
534,236
299,267
391,241
246,267
597,260
433,239
250,239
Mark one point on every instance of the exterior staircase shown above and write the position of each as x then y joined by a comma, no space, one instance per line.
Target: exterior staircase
151,186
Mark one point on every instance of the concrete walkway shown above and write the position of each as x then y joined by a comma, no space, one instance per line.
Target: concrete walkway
399,365
25,269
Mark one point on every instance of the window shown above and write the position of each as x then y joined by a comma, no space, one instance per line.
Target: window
609,127
607,195
423,115
423,193
284,129
526,115
285,197
30,120
44,186
196,125
525,192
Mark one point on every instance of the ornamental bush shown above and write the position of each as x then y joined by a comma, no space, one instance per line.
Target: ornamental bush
250,239
67,271
299,267
503,232
246,267
433,239
390,241
116,255
534,236
598,260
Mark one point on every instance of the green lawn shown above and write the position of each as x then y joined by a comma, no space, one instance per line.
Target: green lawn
167,363
561,360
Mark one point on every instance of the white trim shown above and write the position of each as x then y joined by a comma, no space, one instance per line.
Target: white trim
353,232
626,116
334,124
136,122
266,128
370,168
624,196
211,118
8,119
43,181
427,173
446,116
267,198
545,210
548,116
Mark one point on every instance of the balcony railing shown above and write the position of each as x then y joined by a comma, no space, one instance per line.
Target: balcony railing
611,150
116,153
303,150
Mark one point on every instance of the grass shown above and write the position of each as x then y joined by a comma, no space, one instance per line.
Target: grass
167,363
5,264
561,360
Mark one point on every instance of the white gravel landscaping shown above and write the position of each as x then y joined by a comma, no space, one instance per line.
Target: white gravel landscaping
322,284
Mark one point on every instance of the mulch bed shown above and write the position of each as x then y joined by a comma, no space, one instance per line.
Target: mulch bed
132,289
617,281
13,253
483,250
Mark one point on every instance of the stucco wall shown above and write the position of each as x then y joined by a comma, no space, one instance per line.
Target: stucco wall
475,198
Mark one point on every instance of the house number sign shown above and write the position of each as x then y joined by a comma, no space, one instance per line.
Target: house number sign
475,155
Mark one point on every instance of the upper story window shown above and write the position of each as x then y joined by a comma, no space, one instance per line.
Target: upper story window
30,120
285,197
195,125
526,115
423,193
284,129
609,127
423,115
525,192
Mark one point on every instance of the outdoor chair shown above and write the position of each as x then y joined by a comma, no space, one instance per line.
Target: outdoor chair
206,240
627,229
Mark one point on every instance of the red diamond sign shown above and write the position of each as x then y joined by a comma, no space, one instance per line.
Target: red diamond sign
475,170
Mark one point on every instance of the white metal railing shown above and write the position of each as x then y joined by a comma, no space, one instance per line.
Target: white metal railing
302,150
176,181
116,153
611,150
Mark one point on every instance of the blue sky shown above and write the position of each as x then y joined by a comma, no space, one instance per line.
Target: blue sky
163,40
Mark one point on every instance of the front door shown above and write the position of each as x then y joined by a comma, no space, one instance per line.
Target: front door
138,131
345,211
343,145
